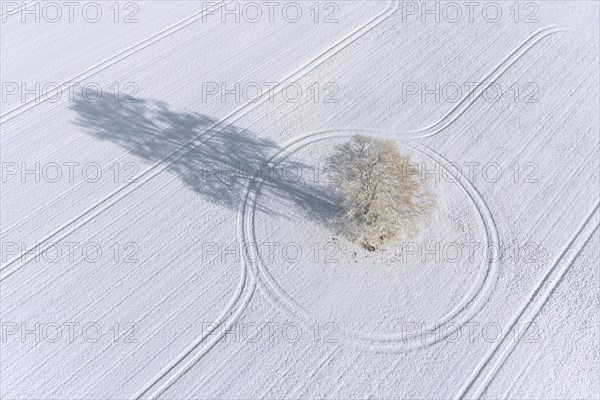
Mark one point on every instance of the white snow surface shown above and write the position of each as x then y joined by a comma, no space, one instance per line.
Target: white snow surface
131,269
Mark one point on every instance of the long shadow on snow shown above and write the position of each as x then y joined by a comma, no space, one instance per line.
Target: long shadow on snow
221,162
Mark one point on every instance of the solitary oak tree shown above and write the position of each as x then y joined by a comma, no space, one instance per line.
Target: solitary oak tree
382,192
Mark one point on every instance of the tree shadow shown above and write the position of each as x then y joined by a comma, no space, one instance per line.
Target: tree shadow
218,162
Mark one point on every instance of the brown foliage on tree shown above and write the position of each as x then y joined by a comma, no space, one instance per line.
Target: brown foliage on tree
383,194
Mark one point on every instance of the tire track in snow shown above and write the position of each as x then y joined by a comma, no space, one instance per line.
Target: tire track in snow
145,281
132,352
191,355
297,44
114,197
197,349
137,270
427,131
422,63
555,203
125,210
170,374
443,118
477,91
468,305
147,312
104,168
531,308
123,54
477,295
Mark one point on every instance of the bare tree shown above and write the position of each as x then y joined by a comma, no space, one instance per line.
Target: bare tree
381,190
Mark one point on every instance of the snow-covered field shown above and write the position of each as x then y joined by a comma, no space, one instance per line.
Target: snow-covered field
142,259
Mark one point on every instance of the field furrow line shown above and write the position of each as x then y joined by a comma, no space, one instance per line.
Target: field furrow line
120,193
28,105
530,308
189,357
105,167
